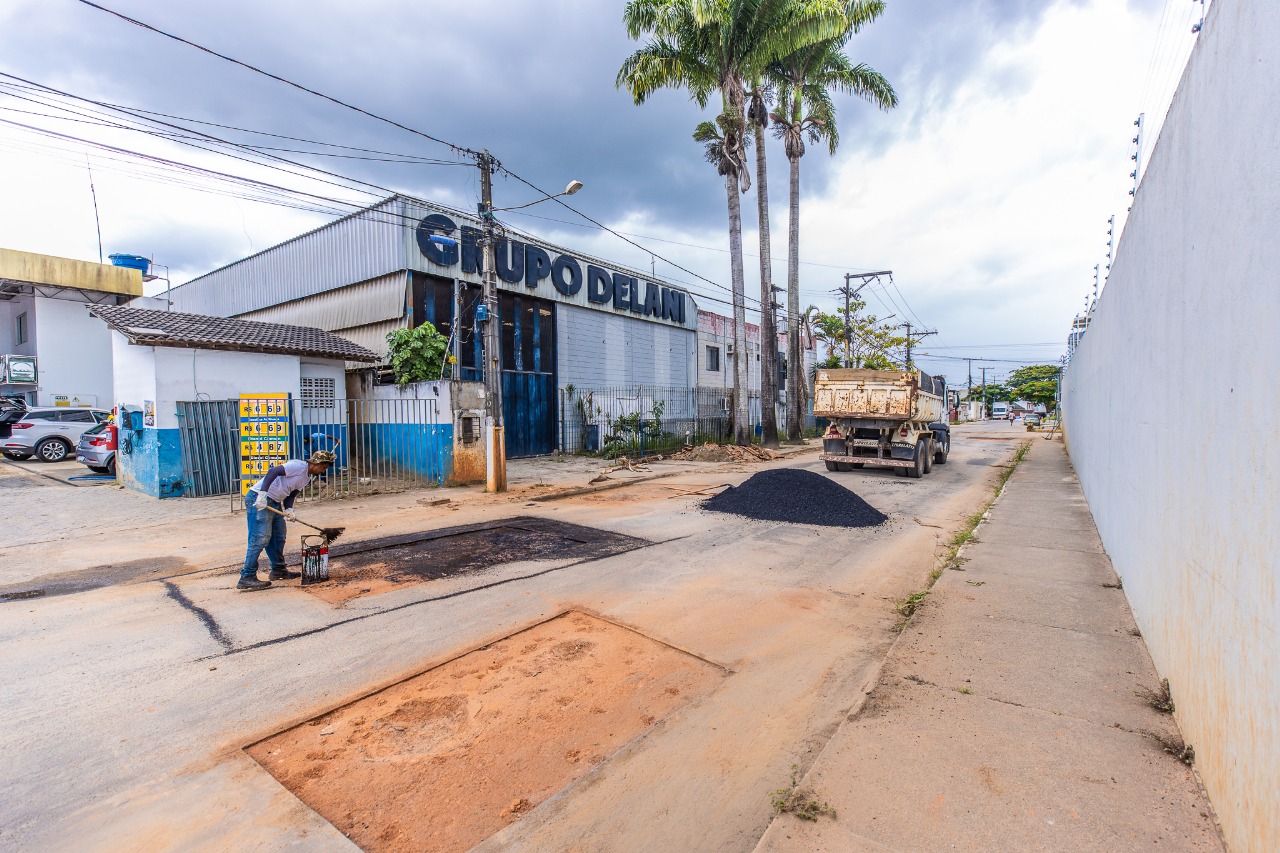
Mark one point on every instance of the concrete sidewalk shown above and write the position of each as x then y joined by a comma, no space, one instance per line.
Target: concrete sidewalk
1008,715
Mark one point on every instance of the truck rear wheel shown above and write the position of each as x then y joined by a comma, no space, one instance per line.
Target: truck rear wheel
928,455
833,466
916,471
942,449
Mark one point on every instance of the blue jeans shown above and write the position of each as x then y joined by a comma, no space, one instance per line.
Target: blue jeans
266,530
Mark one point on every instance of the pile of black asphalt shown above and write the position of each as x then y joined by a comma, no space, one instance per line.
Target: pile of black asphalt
797,497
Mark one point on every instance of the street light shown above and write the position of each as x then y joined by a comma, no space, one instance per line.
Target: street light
572,188
496,444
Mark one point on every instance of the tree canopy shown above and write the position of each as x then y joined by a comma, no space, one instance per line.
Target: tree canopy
871,342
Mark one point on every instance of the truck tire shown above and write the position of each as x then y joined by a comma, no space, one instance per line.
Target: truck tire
928,455
833,466
917,471
943,448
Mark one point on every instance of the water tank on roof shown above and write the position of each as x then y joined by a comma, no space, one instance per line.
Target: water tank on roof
133,262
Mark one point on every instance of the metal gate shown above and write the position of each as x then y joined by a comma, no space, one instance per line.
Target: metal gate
210,433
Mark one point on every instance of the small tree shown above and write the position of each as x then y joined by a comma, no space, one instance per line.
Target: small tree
417,355
870,343
1037,383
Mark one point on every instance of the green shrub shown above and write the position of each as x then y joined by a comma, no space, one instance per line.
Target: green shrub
417,355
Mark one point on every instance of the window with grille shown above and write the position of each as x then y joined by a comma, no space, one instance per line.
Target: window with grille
713,358
318,393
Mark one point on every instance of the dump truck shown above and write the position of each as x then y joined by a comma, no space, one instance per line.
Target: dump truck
882,418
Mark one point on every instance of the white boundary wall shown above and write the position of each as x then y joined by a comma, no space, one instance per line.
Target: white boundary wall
1172,411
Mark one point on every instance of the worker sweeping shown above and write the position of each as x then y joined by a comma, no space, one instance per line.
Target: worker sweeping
267,504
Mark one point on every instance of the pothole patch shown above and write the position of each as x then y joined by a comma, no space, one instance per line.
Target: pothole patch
444,759
366,568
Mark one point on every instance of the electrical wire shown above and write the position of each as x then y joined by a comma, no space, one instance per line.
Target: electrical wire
458,148
280,79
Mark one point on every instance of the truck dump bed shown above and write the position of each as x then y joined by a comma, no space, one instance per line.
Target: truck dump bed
878,394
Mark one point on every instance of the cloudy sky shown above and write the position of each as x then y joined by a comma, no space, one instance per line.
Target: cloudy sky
987,191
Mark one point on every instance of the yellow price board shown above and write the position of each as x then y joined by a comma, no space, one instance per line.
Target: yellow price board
264,435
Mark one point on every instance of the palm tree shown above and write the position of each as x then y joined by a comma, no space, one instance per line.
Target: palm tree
806,79
706,46
758,118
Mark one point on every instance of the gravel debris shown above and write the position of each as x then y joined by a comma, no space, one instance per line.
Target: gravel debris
797,497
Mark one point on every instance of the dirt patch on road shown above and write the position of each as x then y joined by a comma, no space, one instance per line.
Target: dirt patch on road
445,759
726,453
367,568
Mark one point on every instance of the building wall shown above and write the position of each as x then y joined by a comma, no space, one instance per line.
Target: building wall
67,272
408,428
363,313
150,458
595,349
9,311
191,374
357,248
1170,404
451,263
73,350
138,450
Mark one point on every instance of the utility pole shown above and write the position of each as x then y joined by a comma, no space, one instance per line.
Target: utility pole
985,408
969,387
907,364
848,327
849,295
496,446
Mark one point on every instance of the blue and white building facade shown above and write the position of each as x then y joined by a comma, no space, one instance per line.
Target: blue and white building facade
566,318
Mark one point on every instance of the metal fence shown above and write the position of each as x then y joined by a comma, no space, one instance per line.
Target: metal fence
644,420
381,445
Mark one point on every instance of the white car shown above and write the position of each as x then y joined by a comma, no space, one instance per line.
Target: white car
50,435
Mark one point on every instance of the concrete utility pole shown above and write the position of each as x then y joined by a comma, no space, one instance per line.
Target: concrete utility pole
496,444
907,364
984,391
849,296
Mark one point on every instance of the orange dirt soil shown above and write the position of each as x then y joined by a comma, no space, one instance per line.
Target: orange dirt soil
445,759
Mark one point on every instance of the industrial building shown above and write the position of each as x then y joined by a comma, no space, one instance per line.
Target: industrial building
567,318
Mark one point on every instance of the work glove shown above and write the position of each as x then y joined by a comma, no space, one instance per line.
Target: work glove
289,516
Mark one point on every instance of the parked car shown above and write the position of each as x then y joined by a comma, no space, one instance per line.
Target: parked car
97,449
11,411
1033,419
50,435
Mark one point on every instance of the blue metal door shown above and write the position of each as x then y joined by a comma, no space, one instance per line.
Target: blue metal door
528,331
528,374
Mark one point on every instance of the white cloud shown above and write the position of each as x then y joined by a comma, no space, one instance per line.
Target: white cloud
993,215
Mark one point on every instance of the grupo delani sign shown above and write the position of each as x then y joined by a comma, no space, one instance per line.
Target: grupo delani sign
551,274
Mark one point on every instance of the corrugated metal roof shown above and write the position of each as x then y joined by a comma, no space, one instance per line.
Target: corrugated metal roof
197,331
359,247
376,301
373,337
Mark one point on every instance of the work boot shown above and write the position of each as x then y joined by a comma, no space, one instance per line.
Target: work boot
251,584
283,575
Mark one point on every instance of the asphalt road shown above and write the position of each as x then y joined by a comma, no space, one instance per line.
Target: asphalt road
128,705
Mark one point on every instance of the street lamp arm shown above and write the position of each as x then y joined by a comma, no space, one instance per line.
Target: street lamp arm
573,187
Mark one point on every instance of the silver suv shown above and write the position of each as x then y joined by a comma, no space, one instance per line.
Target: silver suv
50,435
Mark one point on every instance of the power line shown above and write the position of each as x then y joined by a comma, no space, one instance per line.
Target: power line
280,79
453,146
